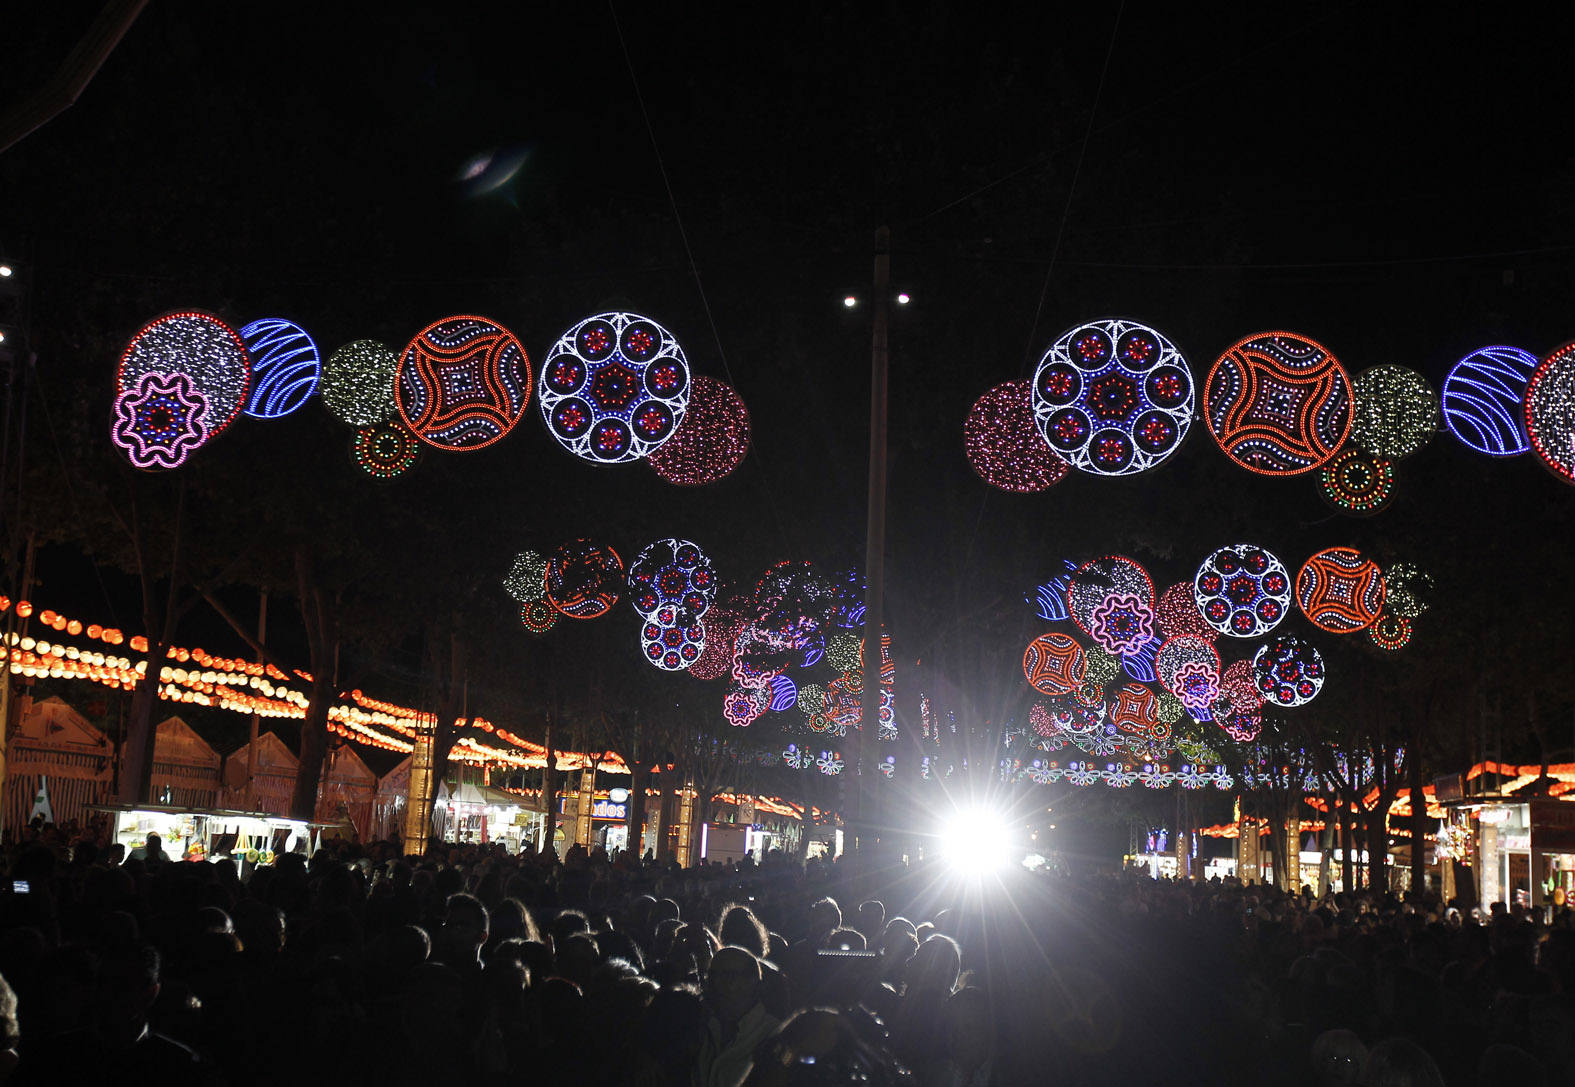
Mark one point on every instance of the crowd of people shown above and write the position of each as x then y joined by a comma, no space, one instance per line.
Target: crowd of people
360,965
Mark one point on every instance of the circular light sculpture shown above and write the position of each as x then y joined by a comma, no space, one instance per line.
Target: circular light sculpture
209,353
385,451
672,572
1391,632
583,579
614,388
527,577
1484,400
1054,664
1178,612
1101,669
1003,445
1189,668
1408,590
1242,590
710,442
723,625
1395,411
1357,482
670,643
741,708
812,698
843,652
1550,412
286,367
1340,591
463,383
1136,711
358,383
159,420
784,694
538,616
1096,581
1278,404
1113,397
1288,671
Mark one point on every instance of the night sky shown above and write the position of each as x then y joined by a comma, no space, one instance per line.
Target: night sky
1396,185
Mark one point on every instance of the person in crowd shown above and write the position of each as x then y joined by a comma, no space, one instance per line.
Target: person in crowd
739,1020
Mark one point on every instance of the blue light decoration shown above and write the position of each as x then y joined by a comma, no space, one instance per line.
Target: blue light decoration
784,693
286,367
847,600
672,572
1049,599
796,759
1288,671
1242,590
1484,397
1113,397
614,388
1139,664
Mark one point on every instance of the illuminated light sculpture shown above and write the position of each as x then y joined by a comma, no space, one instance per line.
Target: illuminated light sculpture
843,652
1238,686
1243,726
1242,590
210,354
1004,447
846,608
1113,397
463,383
1340,591
723,626
1278,404
755,659
812,698
538,616
1288,671
1408,590
1178,613
159,420
1550,412
798,760
1139,664
527,577
385,451
584,579
1123,624
671,643
1395,412
710,442
1189,668
1391,632
1357,482
1136,711
672,571
1096,581
357,386
1049,599
829,763
614,388
286,367
1054,664
1101,668
784,693
740,708
1040,721
1484,400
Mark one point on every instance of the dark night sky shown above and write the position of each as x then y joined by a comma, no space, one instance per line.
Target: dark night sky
1394,184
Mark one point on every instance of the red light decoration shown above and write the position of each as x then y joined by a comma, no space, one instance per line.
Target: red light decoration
1278,404
1288,671
1391,632
209,353
711,441
584,579
463,383
669,642
1054,664
1136,711
1189,668
1355,481
1178,613
385,451
723,626
1096,581
538,616
1340,591
1550,412
1242,590
1004,446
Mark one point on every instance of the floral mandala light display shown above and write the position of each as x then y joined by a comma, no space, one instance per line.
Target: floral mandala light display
1396,412
1288,671
1113,397
740,708
538,616
583,579
1242,590
385,451
1340,591
527,577
1003,445
1186,664
159,420
1094,582
286,367
1278,404
669,642
209,353
1054,664
710,442
672,572
1484,400
1122,623
357,386
1357,481
1391,632
463,383
614,388
1550,412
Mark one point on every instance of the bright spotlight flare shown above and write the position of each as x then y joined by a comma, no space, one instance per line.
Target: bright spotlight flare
976,841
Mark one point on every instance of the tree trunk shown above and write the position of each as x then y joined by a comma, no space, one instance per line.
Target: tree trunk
1418,824
549,795
639,779
314,748
669,816
136,761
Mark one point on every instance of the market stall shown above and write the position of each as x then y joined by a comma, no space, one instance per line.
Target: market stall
347,792
194,834
389,801
272,766
54,746
185,768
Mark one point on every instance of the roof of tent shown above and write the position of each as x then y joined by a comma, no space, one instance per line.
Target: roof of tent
272,757
176,741
54,723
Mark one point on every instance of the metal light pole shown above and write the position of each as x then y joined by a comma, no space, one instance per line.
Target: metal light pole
874,548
